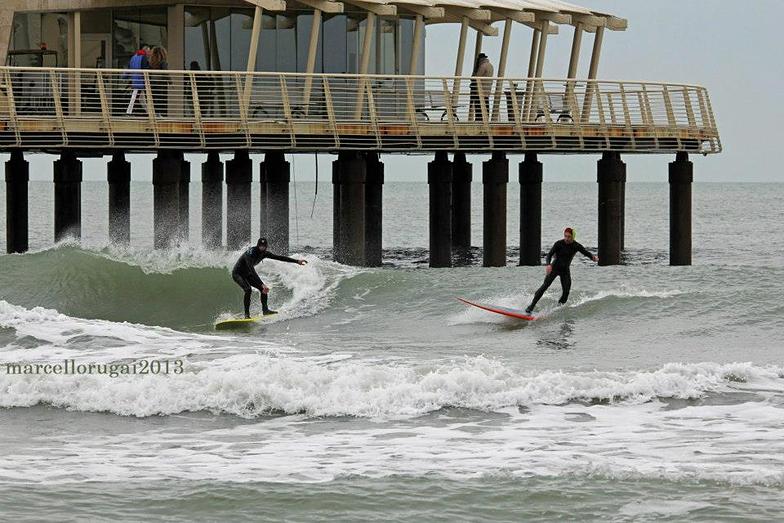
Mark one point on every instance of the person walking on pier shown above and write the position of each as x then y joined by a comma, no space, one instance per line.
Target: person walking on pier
563,250
160,83
244,273
137,63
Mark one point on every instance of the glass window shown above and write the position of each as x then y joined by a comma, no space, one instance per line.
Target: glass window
134,28
385,53
304,25
267,56
335,44
406,31
39,40
287,44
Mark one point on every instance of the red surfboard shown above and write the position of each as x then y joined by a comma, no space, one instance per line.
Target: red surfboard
504,311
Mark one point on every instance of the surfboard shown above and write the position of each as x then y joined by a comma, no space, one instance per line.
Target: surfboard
504,311
238,323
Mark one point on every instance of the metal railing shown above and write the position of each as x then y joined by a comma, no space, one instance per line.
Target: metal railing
50,108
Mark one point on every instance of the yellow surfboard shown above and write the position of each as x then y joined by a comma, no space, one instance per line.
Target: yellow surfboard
239,323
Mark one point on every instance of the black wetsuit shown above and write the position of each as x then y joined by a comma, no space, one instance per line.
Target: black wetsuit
244,273
563,252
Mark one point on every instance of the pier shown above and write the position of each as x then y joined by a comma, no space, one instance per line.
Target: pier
78,111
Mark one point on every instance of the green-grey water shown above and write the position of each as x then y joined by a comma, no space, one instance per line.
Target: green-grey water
656,393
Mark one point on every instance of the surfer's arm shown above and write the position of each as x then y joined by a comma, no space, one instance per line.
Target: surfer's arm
586,252
285,258
549,257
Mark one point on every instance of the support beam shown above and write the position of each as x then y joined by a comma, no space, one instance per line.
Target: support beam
183,220
212,201
530,176
254,39
534,53
67,196
419,26
477,49
350,172
495,177
529,85
681,176
166,174
370,30
501,69
74,86
119,178
611,173
239,175
277,172
461,47
374,8
596,54
324,6
17,181
174,104
439,179
462,176
574,58
374,187
542,48
517,16
590,89
311,65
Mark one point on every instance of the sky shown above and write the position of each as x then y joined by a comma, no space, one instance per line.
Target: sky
734,49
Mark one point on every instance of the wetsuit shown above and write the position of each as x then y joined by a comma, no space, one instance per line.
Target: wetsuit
244,273
563,252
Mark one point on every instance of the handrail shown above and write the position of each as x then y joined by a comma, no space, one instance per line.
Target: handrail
45,108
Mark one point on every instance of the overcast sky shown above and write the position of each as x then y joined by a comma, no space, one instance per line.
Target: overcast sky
735,49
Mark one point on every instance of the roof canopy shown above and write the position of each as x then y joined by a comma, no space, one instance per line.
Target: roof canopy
529,12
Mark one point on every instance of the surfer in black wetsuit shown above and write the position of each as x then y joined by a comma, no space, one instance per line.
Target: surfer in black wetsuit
563,250
244,273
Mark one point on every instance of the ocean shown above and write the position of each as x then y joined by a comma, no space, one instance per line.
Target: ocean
656,393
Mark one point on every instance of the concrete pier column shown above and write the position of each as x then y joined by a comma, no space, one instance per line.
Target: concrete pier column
119,177
462,176
351,169
278,175
17,180
212,201
623,212
530,175
374,189
183,228
439,178
681,177
611,172
263,221
239,176
67,196
495,178
337,167
166,174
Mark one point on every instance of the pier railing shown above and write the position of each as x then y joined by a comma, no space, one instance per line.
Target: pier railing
53,108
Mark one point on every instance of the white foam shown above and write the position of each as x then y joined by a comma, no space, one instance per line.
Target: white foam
736,444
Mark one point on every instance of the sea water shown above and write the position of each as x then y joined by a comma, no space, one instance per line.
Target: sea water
657,392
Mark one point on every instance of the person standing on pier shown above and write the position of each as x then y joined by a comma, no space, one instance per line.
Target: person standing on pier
244,273
482,68
563,250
